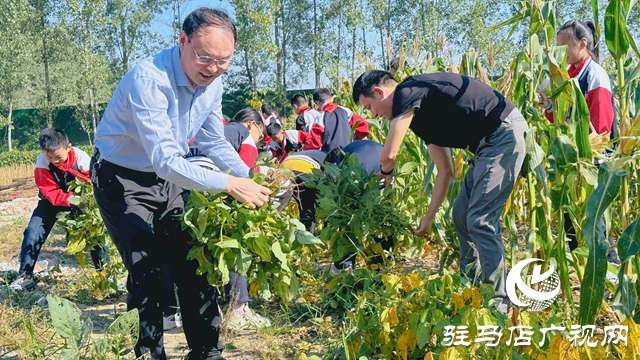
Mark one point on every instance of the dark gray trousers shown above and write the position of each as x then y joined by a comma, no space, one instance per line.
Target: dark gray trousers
476,213
143,216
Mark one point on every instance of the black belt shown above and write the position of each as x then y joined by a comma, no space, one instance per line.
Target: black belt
135,174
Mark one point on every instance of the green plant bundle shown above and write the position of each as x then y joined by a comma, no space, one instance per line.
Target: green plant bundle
359,213
87,230
118,342
228,236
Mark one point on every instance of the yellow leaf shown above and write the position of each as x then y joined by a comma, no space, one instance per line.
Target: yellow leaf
457,302
390,280
560,348
373,267
403,350
333,283
429,356
459,164
411,282
412,342
452,353
633,342
253,289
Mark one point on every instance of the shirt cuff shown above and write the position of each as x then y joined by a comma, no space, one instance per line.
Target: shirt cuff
217,182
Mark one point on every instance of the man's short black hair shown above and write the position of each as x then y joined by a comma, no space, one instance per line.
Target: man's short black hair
267,110
322,95
273,129
367,81
52,139
298,99
205,16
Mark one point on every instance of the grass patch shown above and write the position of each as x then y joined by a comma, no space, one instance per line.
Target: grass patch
9,174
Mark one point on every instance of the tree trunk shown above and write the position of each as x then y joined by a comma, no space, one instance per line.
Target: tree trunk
389,18
9,118
123,41
339,50
248,69
284,47
384,57
353,55
279,54
93,108
316,67
47,82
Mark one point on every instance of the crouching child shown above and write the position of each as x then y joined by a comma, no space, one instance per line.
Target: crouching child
56,168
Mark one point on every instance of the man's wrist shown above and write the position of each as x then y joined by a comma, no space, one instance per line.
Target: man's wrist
386,172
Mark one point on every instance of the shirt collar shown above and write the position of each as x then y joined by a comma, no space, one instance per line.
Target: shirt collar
180,76
573,71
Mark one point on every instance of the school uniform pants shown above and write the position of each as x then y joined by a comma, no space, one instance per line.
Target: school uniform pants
143,216
42,221
476,213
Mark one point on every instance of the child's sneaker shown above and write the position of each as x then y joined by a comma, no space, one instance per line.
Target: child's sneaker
172,321
23,282
244,317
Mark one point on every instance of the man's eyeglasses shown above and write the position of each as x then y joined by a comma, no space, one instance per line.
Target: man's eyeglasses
206,60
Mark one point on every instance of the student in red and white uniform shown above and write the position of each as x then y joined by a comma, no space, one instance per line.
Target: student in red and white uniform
56,168
285,141
245,132
583,55
306,115
333,127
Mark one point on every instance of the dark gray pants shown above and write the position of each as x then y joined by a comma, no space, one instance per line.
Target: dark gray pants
476,213
143,216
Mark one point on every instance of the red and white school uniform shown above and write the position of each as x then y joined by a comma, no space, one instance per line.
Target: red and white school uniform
333,128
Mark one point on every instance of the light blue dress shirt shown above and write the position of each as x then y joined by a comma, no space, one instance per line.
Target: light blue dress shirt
153,114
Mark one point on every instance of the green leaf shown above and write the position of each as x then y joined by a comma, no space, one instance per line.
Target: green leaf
629,243
626,298
260,246
580,117
592,286
306,238
228,244
126,327
408,168
615,30
535,152
277,251
65,317
423,335
76,245
564,153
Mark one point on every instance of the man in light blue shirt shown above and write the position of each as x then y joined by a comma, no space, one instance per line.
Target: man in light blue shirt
142,180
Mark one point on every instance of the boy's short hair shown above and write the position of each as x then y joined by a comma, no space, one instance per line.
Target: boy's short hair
298,99
322,95
273,129
247,115
52,139
266,109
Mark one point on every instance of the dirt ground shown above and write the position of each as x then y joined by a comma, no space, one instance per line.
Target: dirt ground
14,217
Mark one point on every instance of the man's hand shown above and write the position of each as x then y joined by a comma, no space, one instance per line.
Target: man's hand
425,226
247,191
387,178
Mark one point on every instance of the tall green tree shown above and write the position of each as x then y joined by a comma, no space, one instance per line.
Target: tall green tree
16,52
129,34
